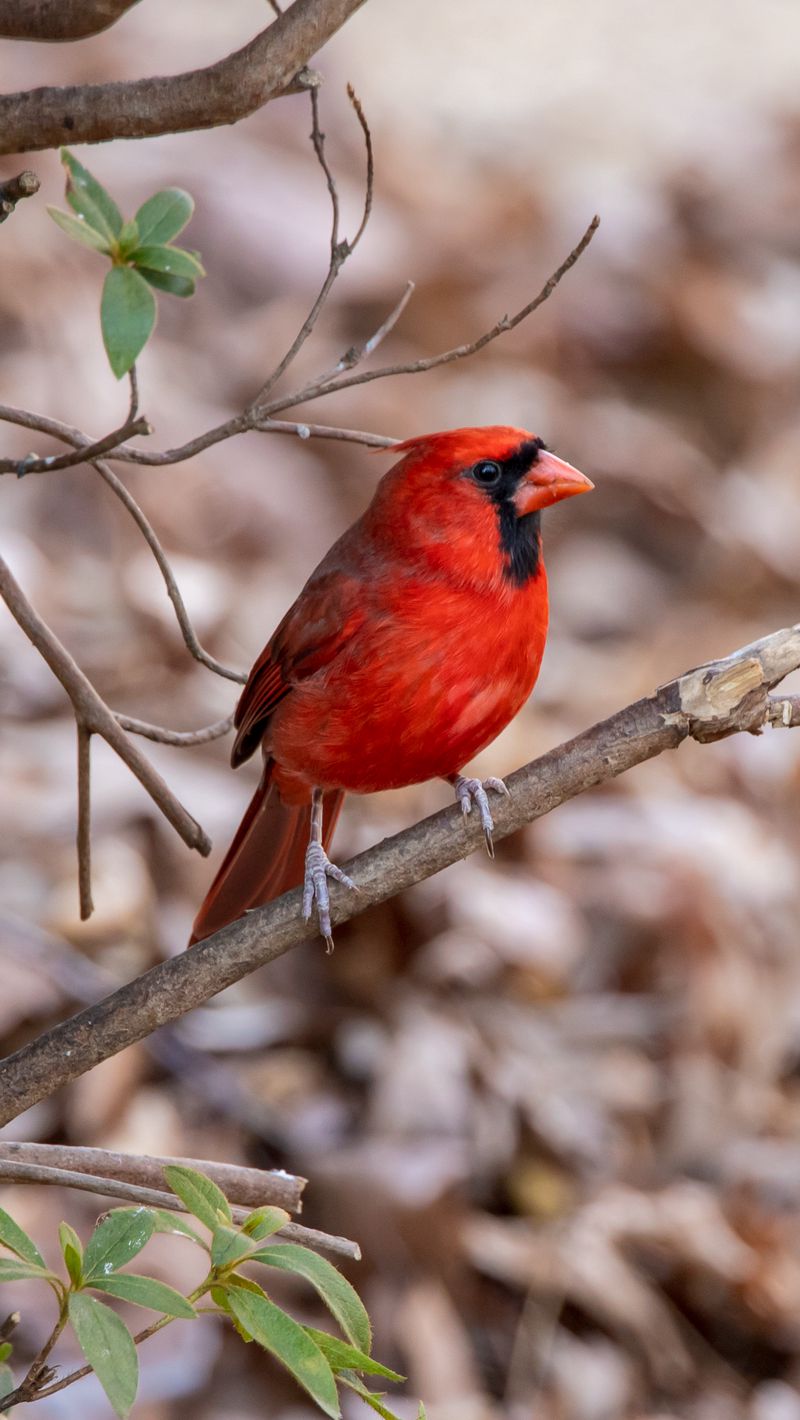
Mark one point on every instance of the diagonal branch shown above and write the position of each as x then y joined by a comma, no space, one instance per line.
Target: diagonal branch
711,702
225,92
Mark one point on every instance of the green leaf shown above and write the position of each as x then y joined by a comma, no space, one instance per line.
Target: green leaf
166,1222
73,1252
220,1295
146,1292
263,1222
348,1358
108,1346
6,1381
116,1240
164,215
228,1246
172,260
162,281
201,1196
13,1269
89,199
128,239
16,1240
286,1340
340,1298
79,230
127,317
6,1347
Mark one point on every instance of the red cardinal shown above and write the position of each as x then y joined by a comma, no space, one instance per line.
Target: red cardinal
413,644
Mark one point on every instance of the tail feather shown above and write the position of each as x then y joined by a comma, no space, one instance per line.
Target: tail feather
266,857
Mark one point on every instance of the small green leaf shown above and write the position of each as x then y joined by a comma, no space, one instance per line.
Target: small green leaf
108,1346
89,199
288,1342
164,215
79,230
128,239
348,1358
340,1298
171,260
228,1246
166,1222
16,1240
127,317
6,1381
73,1252
145,1292
165,281
116,1240
201,1196
263,1222
6,1347
220,1295
13,1269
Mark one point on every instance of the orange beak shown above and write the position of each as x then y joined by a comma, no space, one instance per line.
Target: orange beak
550,480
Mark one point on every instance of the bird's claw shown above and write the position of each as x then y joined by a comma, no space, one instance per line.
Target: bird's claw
315,888
472,791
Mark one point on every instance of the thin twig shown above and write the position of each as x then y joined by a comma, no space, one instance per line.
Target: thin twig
83,453
369,186
14,189
84,835
12,1172
357,353
180,738
248,1187
92,713
133,381
706,704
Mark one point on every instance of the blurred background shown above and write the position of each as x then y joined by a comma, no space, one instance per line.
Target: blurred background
556,1098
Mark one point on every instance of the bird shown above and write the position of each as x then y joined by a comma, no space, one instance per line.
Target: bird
415,641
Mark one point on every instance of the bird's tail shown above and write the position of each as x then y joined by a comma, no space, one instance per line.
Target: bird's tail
266,857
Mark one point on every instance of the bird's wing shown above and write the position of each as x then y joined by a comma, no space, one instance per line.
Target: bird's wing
329,610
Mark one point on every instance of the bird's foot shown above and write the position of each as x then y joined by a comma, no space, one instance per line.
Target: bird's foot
472,791
315,888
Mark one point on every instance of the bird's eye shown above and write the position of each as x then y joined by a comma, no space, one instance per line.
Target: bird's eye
487,473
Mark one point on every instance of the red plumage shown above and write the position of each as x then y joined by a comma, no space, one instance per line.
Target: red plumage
413,644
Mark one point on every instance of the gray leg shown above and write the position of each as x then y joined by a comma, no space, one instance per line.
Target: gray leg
472,791
318,869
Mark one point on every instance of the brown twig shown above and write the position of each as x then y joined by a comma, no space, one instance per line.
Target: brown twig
248,1187
93,715
719,699
84,834
266,68
53,20
340,250
14,189
84,453
183,739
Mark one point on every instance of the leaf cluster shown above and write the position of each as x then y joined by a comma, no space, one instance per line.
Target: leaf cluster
319,1361
141,253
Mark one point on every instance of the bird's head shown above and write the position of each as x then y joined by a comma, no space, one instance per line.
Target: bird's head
472,498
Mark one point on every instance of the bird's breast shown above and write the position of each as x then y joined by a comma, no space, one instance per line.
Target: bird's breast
432,677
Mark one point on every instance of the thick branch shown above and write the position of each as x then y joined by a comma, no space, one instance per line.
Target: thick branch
59,19
251,1188
709,703
201,98
92,713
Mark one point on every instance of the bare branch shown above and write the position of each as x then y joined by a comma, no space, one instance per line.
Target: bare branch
245,1186
86,453
718,699
58,19
93,715
370,183
264,69
180,738
84,834
15,189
